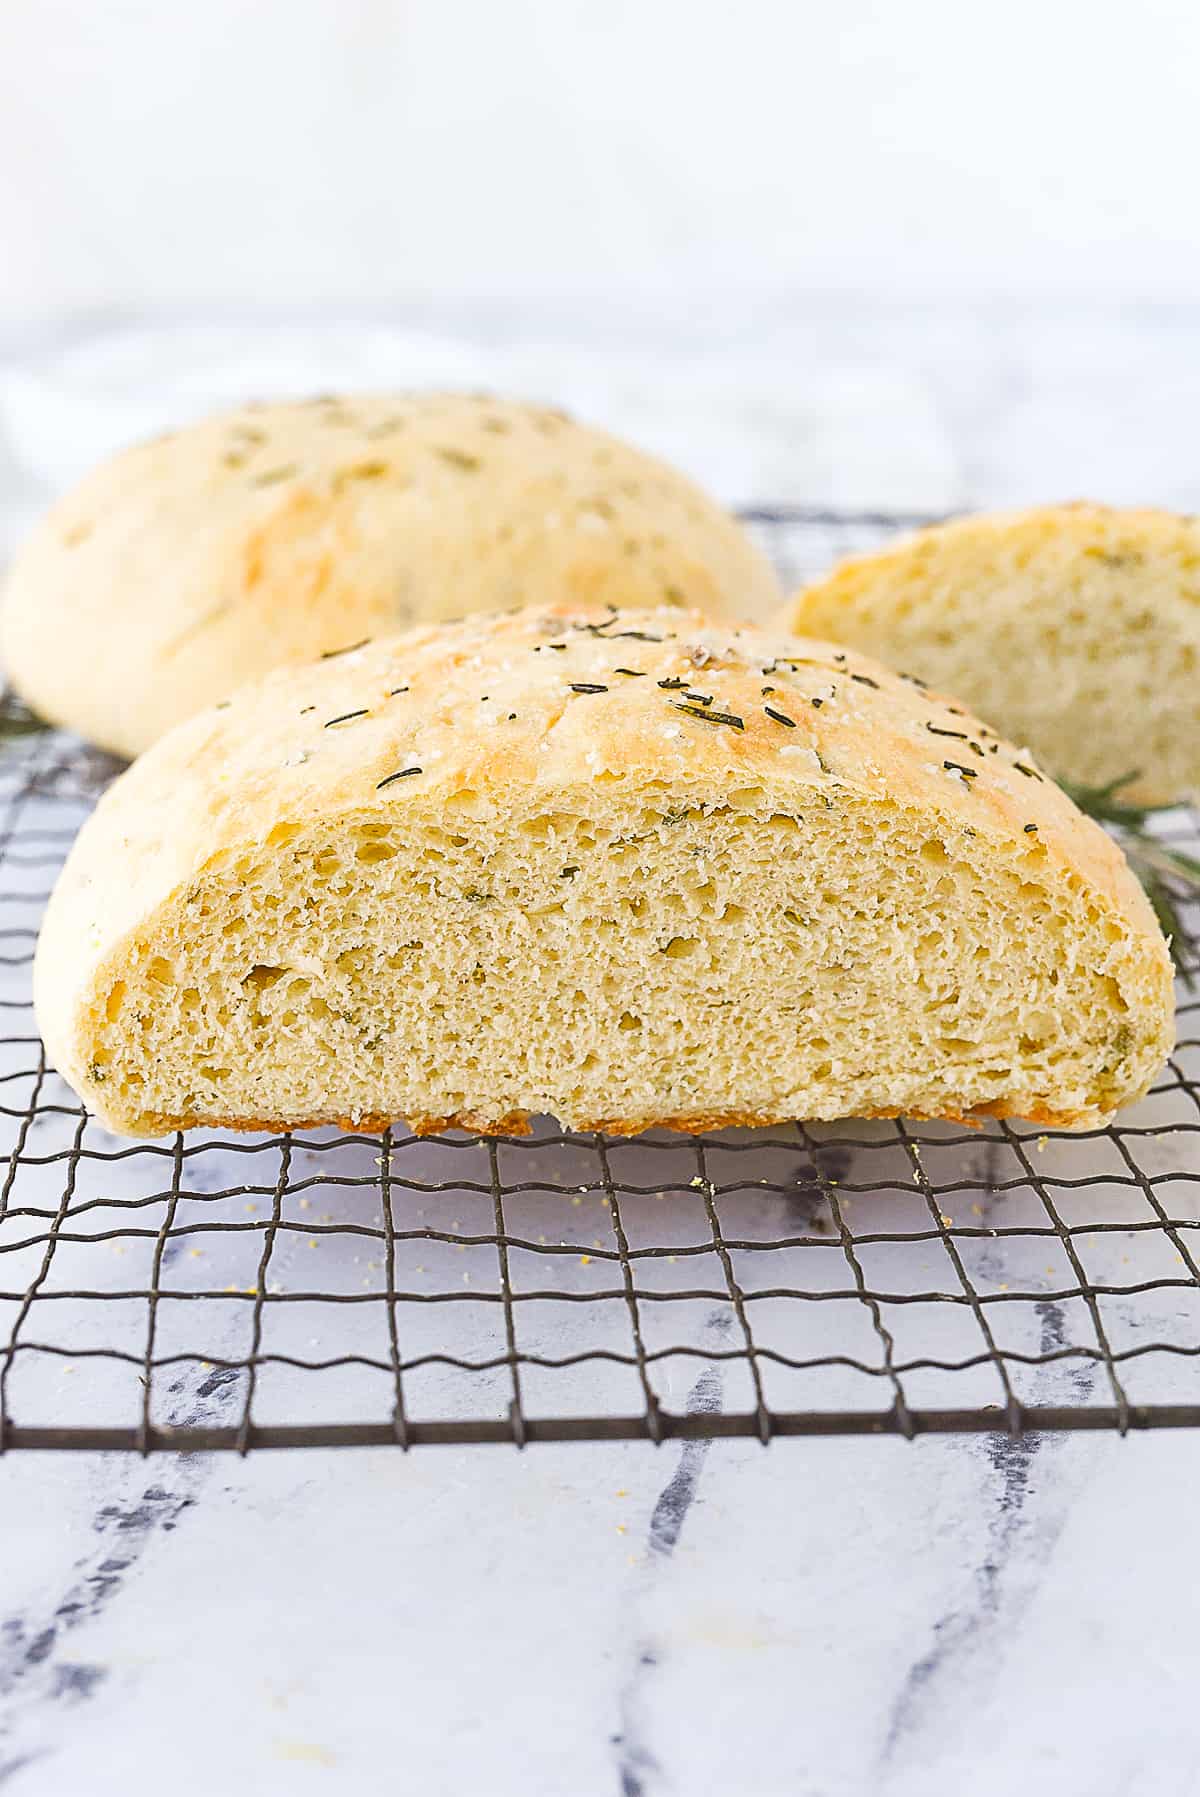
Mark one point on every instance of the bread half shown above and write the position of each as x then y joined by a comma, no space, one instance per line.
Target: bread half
272,534
1074,629
626,868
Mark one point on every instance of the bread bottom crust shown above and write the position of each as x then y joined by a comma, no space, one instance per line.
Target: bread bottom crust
517,1123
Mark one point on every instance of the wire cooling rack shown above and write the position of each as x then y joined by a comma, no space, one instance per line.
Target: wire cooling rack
327,1289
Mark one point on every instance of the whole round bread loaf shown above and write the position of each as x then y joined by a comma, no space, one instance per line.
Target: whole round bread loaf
627,868
278,532
1072,628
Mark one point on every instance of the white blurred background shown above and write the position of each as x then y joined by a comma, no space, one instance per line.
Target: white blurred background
824,251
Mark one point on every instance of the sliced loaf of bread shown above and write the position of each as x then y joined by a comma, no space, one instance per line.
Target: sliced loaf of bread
1074,629
627,868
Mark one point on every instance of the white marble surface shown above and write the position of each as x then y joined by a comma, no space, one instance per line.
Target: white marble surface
821,1619
832,1617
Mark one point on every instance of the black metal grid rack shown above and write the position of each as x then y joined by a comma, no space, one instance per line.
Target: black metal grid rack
326,1289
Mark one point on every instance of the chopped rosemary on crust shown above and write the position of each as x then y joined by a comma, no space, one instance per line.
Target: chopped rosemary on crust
360,471
959,736
710,717
345,717
404,773
780,717
587,686
331,654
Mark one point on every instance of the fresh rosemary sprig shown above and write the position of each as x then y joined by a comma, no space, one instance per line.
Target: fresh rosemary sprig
1153,862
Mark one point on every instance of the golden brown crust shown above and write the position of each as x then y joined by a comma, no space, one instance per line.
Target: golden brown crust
521,1124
